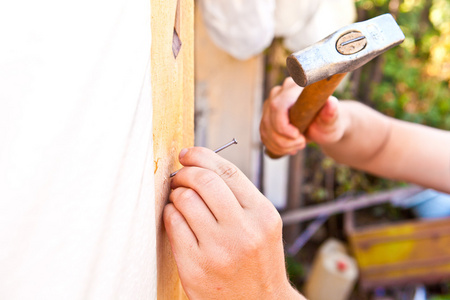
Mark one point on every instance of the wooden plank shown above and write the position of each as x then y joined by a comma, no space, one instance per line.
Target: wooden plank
407,252
228,102
173,126
402,243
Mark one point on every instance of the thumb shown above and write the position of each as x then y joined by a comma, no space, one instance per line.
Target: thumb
329,112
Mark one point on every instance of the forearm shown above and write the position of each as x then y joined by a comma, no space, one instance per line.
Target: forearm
416,154
366,132
392,148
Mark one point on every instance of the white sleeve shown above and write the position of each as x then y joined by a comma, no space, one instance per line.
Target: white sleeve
242,28
304,22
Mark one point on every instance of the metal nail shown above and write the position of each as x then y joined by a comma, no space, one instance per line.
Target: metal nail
232,142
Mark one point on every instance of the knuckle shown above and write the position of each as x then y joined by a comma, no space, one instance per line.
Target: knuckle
281,122
273,105
172,217
265,128
253,243
219,262
227,171
186,196
226,262
195,275
274,91
199,271
273,224
278,141
280,129
288,81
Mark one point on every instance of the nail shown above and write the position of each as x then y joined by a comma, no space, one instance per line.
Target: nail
183,152
234,141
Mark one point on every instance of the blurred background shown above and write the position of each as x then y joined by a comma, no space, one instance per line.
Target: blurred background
355,235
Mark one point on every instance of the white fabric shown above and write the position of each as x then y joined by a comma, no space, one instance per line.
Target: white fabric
291,16
76,163
242,28
304,22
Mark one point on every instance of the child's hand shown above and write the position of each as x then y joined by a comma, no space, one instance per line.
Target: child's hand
280,137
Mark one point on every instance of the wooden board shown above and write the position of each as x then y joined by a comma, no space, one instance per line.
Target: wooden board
173,113
229,94
406,253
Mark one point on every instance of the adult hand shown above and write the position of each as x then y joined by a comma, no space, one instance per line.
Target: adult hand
281,138
225,235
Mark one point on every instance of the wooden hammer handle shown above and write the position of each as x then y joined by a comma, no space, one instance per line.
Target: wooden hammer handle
311,100
309,103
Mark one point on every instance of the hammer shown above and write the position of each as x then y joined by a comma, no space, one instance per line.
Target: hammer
321,67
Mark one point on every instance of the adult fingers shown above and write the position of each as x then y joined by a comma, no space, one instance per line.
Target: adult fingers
179,233
242,188
195,211
212,189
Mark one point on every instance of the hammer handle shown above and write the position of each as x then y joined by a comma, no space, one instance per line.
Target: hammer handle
311,100
309,103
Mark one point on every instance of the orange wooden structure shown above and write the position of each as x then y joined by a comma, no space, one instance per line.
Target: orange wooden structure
173,118
406,253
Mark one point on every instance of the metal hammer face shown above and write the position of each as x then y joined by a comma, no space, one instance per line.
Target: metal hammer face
345,50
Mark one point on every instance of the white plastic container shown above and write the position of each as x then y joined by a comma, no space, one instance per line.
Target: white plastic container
333,273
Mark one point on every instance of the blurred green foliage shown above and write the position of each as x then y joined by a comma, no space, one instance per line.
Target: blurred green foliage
295,270
415,82
443,297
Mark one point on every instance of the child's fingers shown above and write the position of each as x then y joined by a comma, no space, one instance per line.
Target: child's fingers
329,112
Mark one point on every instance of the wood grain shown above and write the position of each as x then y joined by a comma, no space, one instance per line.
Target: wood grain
173,118
408,252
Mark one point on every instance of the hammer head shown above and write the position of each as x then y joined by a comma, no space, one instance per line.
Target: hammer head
345,50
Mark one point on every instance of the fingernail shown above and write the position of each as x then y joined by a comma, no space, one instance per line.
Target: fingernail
183,152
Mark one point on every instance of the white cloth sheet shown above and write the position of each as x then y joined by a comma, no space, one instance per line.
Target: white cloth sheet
303,22
76,161
242,28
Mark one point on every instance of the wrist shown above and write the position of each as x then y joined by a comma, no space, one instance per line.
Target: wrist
288,293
